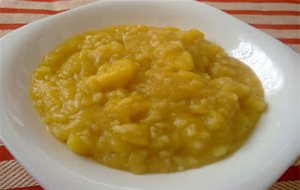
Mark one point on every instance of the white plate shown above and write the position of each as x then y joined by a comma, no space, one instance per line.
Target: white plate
270,150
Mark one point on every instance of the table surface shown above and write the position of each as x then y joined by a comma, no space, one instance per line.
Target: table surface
278,18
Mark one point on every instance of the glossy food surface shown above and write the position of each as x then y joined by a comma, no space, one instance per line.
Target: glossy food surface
147,99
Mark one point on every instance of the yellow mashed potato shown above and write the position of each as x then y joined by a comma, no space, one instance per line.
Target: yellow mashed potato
147,99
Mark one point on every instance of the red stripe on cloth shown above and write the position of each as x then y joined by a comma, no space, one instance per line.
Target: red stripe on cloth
292,174
290,40
4,154
277,26
256,12
28,188
11,26
43,0
18,179
31,11
255,1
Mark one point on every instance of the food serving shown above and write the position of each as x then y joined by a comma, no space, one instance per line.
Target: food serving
147,99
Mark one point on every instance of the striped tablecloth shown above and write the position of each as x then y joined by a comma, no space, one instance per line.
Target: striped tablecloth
279,18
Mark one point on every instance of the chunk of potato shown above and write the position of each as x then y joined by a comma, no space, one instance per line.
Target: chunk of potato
114,75
77,144
133,133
